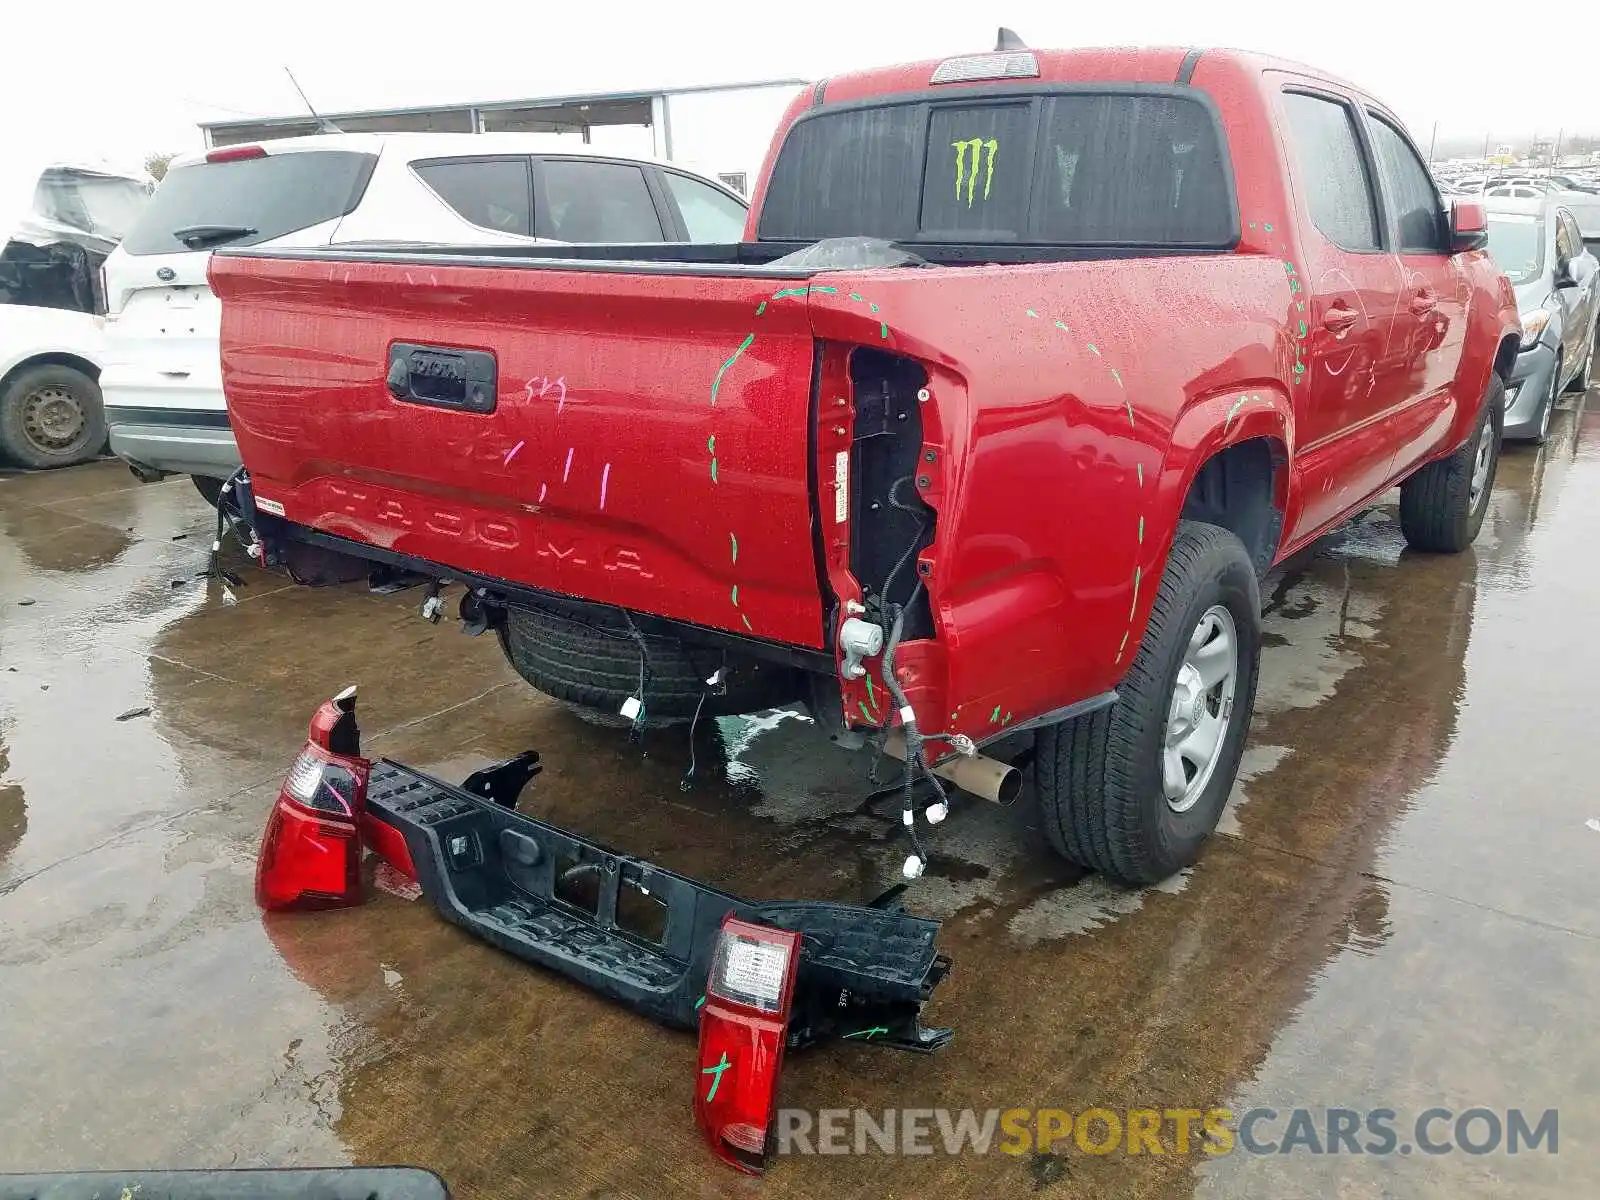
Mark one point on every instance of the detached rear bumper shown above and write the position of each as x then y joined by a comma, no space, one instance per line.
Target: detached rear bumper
639,933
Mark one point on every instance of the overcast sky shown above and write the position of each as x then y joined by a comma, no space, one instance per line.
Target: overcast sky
120,78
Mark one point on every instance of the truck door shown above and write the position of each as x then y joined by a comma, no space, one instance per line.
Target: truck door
1352,288
1417,388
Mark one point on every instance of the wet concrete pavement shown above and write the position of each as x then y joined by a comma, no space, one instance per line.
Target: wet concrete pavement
1400,913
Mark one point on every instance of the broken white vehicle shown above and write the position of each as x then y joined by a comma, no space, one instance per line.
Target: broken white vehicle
59,221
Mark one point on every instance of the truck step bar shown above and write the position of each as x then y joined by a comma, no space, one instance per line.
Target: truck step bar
636,932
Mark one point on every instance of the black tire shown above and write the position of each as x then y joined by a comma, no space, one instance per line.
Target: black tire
1099,777
1438,511
1580,381
592,663
30,409
1548,409
210,489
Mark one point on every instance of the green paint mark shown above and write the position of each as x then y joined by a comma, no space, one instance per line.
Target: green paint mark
1133,607
1233,412
1304,329
824,291
1033,314
1117,375
1252,224
1300,305
970,178
1094,350
699,1004
1267,226
871,307
1140,468
1141,530
1005,720
747,624
868,1033
735,543
785,293
1063,326
955,716
856,296
872,694
865,715
713,470
1124,645
732,358
1299,368
761,308
1288,267
736,595
716,1074
883,331
711,444
995,715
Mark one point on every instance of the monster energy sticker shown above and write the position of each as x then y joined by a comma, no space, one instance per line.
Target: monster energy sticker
969,178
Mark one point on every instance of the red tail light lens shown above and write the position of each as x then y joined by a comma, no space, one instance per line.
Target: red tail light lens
235,153
743,1027
311,850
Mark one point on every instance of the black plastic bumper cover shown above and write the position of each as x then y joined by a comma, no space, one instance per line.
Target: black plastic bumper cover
556,899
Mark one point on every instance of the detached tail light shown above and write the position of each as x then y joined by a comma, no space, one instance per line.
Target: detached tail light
743,1027
311,850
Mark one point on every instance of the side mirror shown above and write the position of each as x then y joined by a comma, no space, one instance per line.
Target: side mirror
1469,226
1564,277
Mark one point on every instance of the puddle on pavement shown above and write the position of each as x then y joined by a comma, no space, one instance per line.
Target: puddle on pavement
1395,913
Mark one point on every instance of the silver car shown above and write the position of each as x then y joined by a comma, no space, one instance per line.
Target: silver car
1537,244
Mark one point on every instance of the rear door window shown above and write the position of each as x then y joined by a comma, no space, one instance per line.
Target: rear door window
270,196
585,201
491,193
709,215
1333,170
1408,189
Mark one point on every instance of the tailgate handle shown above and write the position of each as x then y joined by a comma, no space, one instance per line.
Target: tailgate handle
442,377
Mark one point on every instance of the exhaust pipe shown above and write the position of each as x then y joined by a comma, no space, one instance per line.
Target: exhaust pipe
984,777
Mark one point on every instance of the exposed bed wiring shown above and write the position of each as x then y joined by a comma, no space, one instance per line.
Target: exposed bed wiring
225,524
716,684
636,702
915,758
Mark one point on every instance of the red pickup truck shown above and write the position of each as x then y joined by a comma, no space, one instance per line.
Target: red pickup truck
1030,364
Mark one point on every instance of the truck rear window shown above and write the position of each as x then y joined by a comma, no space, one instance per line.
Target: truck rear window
274,195
1120,169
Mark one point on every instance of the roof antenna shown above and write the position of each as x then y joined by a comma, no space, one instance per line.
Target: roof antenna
323,124
1008,40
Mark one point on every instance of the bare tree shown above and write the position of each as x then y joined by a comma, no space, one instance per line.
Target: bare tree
156,164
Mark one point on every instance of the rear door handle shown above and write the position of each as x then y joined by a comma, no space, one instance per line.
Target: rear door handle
1339,317
1423,302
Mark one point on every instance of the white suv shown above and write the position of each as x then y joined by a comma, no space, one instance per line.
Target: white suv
162,380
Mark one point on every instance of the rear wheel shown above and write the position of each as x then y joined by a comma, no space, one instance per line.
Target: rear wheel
1134,790
1442,505
592,664
51,416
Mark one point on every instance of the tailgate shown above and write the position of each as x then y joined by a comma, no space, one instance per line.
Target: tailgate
645,444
